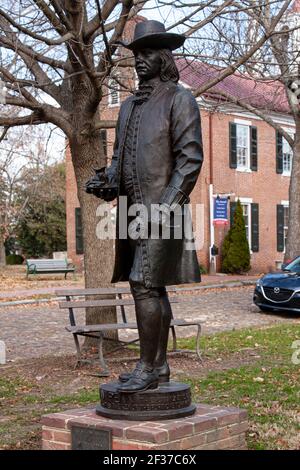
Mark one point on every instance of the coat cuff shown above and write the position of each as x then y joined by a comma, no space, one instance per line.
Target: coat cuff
111,176
173,196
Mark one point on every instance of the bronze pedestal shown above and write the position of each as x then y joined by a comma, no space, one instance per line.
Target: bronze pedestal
170,400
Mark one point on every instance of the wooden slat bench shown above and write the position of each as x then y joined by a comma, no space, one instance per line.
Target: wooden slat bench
49,266
98,331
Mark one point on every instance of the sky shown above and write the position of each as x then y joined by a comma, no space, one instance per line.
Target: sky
167,14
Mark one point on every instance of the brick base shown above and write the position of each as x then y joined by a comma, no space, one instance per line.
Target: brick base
211,427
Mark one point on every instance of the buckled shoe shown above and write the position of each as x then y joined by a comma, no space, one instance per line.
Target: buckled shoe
163,374
142,378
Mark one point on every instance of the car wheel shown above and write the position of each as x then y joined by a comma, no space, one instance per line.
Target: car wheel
265,309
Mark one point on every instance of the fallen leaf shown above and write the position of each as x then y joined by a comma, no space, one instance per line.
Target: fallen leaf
40,377
258,379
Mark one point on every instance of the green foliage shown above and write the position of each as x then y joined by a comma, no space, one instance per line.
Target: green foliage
235,249
42,228
203,269
14,259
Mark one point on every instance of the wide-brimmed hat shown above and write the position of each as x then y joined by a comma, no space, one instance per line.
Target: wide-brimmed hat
153,34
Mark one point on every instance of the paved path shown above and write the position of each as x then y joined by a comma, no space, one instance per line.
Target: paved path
31,331
29,292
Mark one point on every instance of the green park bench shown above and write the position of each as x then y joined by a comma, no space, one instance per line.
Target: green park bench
49,266
112,296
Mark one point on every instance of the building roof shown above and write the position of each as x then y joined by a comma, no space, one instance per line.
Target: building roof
270,96
295,8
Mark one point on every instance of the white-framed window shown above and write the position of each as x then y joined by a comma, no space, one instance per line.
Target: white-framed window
243,146
287,157
246,206
113,93
285,222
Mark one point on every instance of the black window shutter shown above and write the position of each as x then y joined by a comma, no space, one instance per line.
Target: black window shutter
103,137
280,225
279,156
232,145
254,227
232,211
78,231
253,148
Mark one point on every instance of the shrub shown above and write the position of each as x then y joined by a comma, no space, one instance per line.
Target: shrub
14,259
235,249
203,269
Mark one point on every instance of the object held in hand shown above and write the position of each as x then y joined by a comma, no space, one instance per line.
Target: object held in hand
101,186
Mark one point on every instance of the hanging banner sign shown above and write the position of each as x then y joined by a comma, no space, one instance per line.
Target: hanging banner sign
220,211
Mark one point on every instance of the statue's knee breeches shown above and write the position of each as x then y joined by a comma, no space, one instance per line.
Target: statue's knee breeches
140,291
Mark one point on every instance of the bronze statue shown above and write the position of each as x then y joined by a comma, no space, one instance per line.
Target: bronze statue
157,159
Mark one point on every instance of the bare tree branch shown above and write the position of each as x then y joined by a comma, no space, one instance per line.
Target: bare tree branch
94,24
232,68
60,13
209,18
4,132
14,121
50,15
127,4
14,44
38,37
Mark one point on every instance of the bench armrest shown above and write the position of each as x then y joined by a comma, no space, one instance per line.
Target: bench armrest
69,265
30,266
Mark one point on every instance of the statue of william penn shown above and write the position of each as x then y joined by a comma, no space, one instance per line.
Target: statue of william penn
157,159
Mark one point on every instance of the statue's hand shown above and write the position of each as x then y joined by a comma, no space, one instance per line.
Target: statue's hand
100,186
94,184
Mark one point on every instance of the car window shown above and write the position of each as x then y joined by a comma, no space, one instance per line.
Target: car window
294,266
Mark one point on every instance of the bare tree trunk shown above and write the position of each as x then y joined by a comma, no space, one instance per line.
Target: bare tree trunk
98,254
2,252
293,239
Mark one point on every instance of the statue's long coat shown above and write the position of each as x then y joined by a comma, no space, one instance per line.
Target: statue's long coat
168,160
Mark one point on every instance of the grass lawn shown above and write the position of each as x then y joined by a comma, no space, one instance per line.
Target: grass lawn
249,368
269,388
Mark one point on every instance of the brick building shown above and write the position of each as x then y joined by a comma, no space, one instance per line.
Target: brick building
244,158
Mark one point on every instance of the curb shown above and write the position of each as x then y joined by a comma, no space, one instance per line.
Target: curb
180,289
250,282
26,302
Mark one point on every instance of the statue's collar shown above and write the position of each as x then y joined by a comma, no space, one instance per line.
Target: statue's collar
153,82
146,89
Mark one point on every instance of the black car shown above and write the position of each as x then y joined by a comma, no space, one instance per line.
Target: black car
280,291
